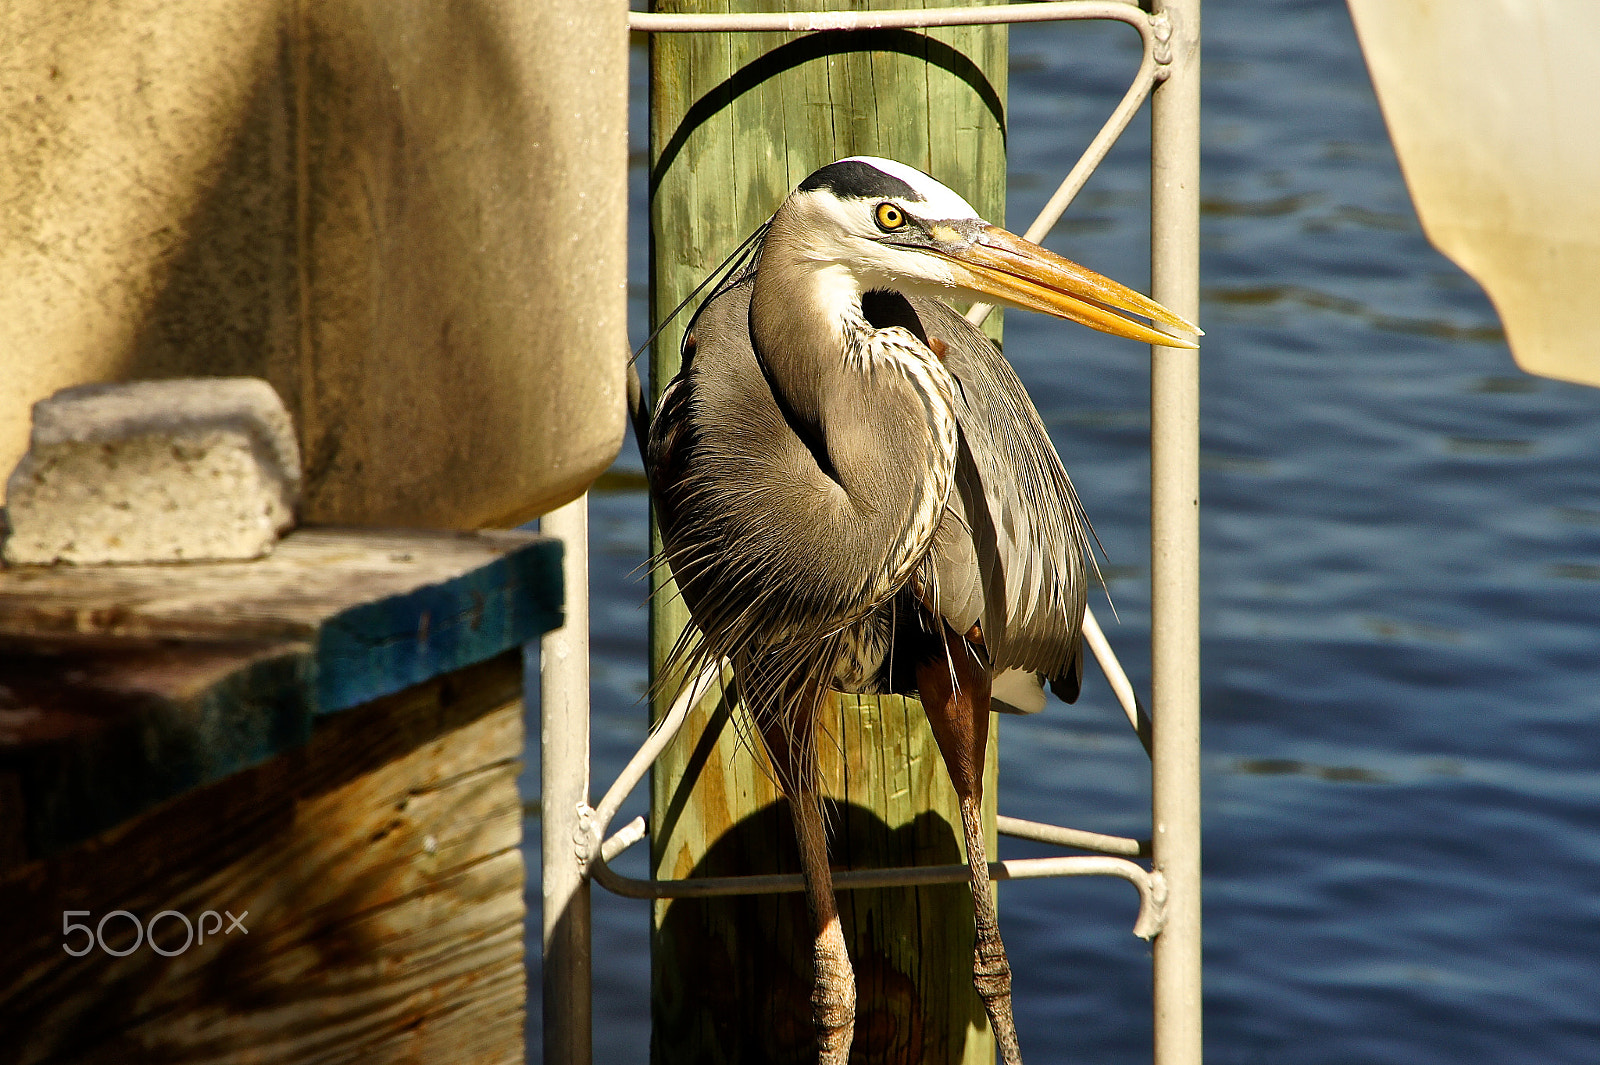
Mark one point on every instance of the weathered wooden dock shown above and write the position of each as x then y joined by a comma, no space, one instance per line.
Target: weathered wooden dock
267,811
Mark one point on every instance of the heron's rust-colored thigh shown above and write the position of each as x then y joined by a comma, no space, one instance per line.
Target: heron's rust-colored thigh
954,685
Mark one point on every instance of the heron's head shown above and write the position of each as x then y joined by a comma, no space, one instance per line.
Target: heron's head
892,227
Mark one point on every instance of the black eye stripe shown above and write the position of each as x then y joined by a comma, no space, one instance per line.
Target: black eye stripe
854,179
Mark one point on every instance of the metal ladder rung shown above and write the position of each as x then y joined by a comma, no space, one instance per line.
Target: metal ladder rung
1151,885
596,850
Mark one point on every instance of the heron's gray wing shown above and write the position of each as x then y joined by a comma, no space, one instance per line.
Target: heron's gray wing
716,433
1026,543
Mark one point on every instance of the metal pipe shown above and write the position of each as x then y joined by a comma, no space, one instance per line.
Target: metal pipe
657,741
1171,38
1143,82
1151,65
1120,684
602,853
564,792
1017,828
1175,538
1151,887
595,822
824,21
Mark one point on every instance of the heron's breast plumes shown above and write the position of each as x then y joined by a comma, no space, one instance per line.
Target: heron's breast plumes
801,496
896,350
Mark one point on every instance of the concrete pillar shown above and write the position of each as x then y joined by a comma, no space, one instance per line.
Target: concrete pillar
409,217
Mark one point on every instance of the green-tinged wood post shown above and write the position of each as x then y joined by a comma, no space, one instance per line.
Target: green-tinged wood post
736,121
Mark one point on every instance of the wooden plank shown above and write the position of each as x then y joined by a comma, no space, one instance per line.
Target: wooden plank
382,609
123,686
377,875
92,733
355,580
736,121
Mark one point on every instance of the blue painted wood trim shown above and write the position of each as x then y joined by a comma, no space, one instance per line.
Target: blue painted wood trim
145,749
378,648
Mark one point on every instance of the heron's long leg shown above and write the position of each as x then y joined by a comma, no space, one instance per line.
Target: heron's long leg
959,715
833,998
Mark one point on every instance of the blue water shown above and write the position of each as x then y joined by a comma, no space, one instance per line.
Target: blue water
1401,599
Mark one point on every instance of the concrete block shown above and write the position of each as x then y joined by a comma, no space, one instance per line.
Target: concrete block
154,471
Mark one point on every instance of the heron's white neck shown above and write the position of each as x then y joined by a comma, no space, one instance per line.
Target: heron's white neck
813,287
806,306
834,294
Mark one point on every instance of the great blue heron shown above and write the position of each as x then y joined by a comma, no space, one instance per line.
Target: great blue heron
854,491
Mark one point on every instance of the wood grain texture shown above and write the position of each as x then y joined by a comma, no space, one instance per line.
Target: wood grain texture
394,595
737,120
123,686
91,735
380,869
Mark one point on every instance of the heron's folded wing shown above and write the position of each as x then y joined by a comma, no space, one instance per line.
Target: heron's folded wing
1029,538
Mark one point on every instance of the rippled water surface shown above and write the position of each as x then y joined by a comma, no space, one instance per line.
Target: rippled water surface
1401,597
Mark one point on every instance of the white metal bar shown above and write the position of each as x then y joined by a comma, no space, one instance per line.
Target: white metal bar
1171,59
1175,539
824,21
595,822
657,742
1150,64
564,791
1151,887
597,850
1017,828
1150,70
1120,684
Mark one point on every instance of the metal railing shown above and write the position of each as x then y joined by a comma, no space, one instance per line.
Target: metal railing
576,846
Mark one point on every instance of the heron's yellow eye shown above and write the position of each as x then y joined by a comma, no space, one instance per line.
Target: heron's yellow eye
890,216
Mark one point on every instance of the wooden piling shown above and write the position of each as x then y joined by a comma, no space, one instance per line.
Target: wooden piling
736,121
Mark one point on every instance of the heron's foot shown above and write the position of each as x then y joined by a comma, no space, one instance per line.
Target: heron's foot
833,1002
991,976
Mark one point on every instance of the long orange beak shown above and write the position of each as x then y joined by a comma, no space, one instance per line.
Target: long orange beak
1018,272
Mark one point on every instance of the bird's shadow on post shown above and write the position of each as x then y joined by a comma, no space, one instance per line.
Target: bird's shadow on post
734,975
818,46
